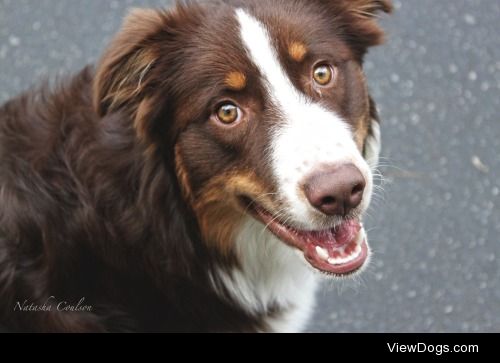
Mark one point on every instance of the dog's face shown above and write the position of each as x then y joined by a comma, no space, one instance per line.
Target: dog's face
265,111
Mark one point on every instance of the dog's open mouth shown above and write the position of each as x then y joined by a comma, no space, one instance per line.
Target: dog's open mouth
339,251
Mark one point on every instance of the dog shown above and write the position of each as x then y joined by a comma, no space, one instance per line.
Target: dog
204,176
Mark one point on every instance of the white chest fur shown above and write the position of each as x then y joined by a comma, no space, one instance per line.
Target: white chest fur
271,275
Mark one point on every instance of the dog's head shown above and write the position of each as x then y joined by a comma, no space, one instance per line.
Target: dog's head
264,110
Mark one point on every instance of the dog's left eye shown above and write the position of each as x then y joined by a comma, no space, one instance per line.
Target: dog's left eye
228,113
323,74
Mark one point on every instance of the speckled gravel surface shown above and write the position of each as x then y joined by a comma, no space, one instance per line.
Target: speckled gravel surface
435,229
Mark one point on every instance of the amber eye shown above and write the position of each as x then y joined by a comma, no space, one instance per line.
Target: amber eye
323,74
228,113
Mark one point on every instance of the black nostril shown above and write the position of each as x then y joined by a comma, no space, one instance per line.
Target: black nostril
359,188
328,201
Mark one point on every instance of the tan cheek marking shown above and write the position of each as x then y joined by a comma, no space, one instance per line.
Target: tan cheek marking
297,51
236,81
218,211
361,132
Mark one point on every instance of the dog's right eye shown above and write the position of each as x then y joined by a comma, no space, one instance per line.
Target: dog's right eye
228,113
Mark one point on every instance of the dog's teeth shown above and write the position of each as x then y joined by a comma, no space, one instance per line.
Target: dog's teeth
334,261
361,237
322,253
357,252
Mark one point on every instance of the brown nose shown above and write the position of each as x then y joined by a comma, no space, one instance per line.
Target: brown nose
336,191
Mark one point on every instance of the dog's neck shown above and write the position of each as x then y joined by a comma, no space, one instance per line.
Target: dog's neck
272,277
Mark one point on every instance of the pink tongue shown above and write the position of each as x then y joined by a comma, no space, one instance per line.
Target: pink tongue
337,237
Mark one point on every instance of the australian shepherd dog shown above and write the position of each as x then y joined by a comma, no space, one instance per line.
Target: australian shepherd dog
204,176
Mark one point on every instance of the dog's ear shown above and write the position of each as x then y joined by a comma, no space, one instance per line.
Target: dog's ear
368,8
124,79
357,21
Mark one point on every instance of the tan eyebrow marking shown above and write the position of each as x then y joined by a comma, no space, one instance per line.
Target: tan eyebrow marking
236,80
297,51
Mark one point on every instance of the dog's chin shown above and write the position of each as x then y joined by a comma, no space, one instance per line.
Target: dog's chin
339,252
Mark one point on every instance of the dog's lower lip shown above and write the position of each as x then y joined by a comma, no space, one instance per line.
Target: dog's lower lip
340,251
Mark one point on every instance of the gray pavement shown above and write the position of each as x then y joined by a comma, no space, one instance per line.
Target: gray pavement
435,228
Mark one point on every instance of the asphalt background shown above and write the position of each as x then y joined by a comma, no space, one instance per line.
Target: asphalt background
435,228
